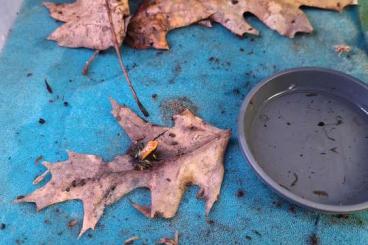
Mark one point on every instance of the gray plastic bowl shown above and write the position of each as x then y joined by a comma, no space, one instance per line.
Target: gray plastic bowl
305,133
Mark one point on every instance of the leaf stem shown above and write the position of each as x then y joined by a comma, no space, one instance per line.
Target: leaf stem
89,61
120,58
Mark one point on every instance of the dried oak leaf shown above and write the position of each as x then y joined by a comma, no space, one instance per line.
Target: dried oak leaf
87,23
154,19
191,152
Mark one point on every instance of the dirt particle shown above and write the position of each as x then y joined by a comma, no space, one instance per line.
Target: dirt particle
2,226
236,91
134,65
321,124
311,94
334,150
313,239
295,180
48,87
240,193
38,159
72,223
320,193
19,241
210,221
158,53
66,104
154,96
29,74
214,60
342,216
177,68
41,121
241,50
257,232
277,203
292,209
248,238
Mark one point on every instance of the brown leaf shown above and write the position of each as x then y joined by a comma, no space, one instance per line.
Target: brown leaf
87,24
191,152
154,19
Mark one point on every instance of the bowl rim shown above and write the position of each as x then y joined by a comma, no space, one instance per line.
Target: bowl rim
327,208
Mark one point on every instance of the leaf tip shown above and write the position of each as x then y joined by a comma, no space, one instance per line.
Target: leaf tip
115,107
146,211
48,5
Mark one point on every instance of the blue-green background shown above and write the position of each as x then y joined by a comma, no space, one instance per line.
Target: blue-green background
215,87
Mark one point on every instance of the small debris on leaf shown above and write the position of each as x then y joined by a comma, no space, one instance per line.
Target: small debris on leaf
148,149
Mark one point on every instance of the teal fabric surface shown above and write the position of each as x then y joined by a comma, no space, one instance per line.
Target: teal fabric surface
210,70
